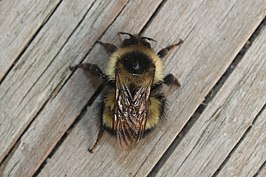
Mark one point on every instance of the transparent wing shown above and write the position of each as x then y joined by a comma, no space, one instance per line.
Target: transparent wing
130,113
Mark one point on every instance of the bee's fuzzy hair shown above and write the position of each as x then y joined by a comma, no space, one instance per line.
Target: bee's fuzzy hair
147,51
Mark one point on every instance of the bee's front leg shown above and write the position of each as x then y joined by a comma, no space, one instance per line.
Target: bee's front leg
163,52
92,68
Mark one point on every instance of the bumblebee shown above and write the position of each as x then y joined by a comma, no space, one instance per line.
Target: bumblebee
132,102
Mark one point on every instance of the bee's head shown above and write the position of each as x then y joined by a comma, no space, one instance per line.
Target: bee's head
135,59
137,62
136,40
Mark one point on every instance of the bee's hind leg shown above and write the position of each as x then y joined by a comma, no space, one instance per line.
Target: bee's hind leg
100,134
92,68
109,47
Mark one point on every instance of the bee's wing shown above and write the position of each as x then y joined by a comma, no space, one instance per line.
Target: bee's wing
130,113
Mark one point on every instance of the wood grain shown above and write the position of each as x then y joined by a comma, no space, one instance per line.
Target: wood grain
262,172
251,153
44,67
63,108
224,122
213,33
41,98
18,23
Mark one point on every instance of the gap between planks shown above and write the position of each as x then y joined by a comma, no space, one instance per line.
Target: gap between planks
82,112
208,99
84,109
240,142
251,69
55,91
126,3
103,148
262,171
31,38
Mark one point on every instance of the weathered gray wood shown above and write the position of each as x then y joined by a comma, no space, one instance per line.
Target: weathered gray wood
61,110
224,121
44,67
18,23
251,154
213,34
262,172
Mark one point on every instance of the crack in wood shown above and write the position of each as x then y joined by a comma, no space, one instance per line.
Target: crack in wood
7,157
154,14
238,143
260,169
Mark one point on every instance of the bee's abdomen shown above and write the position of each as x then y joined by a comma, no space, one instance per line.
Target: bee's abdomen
156,109
157,106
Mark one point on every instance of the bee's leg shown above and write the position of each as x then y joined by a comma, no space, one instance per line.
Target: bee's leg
109,47
92,68
163,52
100,134
168,80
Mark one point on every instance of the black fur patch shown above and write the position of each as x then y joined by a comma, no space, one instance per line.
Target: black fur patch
136,62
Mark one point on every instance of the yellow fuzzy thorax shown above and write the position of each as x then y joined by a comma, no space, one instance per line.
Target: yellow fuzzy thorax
117,55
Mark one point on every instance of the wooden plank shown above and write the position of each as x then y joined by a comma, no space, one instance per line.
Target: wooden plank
211,43
251,154
44,67
19,22
225,119
262,172
61,110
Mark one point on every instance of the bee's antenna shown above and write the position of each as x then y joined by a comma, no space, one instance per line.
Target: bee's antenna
125,33
149,39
